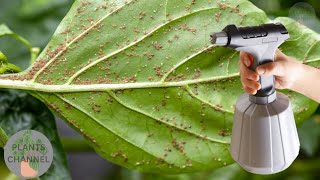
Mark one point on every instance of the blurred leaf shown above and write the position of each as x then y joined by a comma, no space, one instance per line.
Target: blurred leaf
31,9
5,173
36,20
309,134
20,111
299,170
4,30
230,172
5,66
3,138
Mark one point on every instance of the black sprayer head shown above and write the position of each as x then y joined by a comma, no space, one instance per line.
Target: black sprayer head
233,36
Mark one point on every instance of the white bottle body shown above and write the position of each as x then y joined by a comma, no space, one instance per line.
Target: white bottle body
264,137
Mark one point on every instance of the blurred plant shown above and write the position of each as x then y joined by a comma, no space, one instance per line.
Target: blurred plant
21,111
36,20
306,12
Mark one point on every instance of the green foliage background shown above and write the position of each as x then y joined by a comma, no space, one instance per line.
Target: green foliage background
36,20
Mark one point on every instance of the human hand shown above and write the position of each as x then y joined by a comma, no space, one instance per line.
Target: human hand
285,69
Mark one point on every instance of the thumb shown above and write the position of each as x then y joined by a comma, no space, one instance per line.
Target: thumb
272,68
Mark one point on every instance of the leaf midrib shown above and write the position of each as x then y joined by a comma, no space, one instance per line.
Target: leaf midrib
29,85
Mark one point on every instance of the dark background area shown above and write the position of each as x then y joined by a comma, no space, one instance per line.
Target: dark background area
36,20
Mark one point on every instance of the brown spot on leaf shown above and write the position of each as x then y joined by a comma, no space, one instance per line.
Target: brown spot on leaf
217,16
158,71
157,45
224,132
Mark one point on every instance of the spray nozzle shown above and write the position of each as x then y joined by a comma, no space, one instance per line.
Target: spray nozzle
219,38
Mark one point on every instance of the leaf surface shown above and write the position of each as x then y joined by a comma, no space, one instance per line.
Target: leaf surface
3,138
141,81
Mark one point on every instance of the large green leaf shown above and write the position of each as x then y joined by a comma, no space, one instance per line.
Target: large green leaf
140,80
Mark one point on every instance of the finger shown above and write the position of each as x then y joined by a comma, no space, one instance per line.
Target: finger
247,73
251,84
249,90
272,68
246,59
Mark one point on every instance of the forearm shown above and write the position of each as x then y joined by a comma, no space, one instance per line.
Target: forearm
308,83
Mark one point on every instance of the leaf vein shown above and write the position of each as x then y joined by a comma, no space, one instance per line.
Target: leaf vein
70,80
169,124
182,62
206,102
306,55
92,117
74,40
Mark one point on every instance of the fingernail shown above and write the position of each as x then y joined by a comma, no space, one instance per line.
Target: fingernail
260,71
